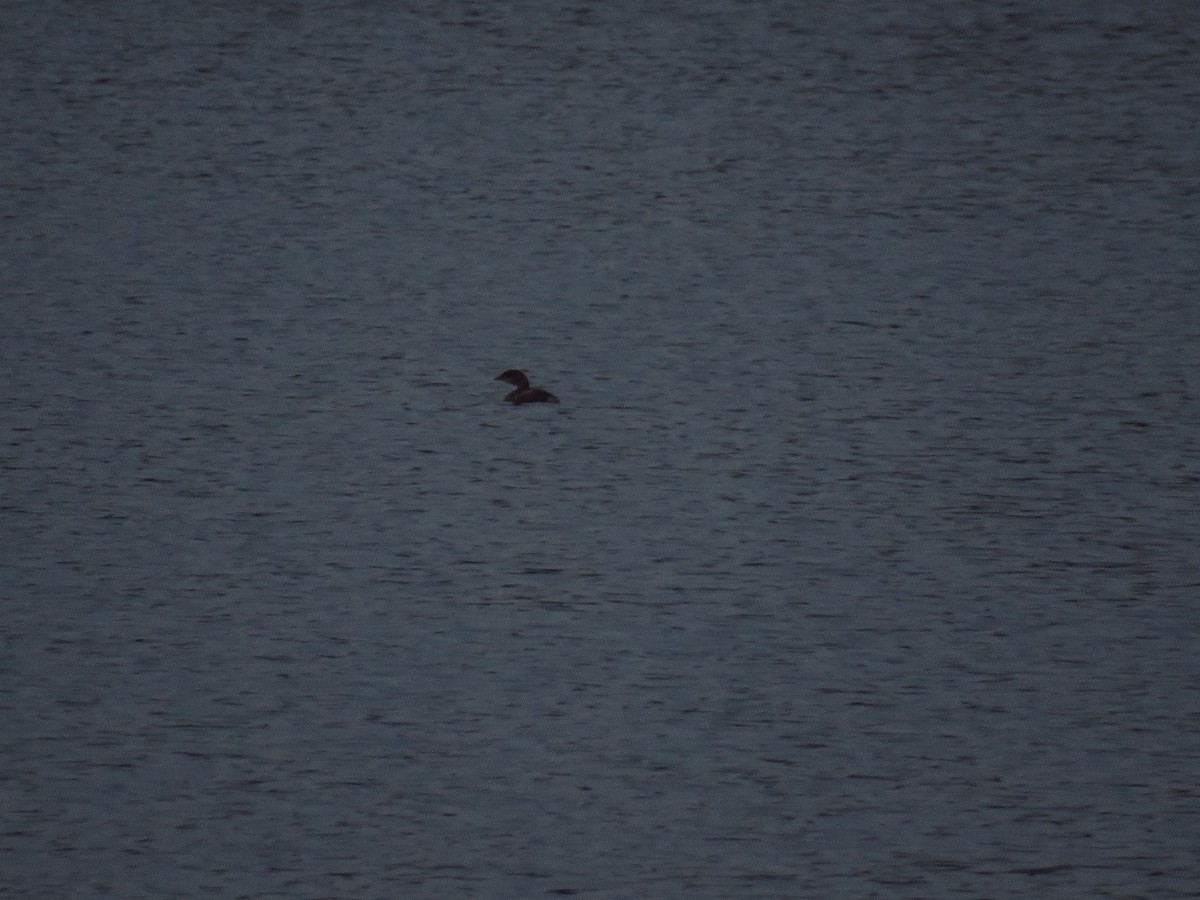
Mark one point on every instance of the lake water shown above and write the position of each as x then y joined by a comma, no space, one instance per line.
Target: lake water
859,559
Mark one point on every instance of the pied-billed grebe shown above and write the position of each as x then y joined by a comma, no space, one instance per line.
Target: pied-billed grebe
524,393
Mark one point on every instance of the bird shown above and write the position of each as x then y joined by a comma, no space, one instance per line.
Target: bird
523,393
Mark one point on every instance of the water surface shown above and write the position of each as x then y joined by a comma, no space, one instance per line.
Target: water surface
858,559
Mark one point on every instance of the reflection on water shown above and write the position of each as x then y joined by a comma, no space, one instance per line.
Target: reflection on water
855,560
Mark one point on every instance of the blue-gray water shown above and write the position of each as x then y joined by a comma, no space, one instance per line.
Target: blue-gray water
859,559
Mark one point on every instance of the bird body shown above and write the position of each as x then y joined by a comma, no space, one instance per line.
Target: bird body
522,392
